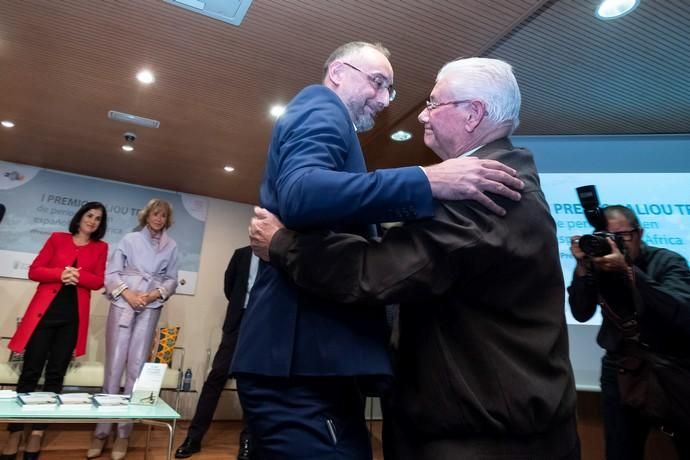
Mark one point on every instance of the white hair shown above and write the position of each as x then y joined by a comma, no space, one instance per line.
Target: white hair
490,80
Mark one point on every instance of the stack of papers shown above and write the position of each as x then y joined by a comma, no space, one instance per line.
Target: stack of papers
111,401
75,401
38,399
8,394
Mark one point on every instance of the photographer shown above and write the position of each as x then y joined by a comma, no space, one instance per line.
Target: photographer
644,294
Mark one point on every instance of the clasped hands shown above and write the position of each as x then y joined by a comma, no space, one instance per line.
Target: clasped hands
70,276
139,300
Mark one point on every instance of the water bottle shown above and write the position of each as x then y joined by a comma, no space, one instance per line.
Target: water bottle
187,380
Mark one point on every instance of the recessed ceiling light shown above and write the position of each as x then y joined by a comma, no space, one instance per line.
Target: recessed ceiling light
146,77
7,123
277,110
401,136
228,169
128,148
614,9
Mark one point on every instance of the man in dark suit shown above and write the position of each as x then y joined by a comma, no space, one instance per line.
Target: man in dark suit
301,367
482,370
239,278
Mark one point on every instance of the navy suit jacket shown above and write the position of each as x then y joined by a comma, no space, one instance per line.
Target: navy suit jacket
316,178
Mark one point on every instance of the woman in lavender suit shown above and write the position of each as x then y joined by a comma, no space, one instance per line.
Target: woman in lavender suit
141,275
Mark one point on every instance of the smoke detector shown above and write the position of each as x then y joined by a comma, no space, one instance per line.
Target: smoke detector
128,146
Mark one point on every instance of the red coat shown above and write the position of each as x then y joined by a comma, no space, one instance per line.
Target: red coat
57,253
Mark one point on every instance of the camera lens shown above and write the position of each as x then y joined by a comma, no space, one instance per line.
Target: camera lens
594,245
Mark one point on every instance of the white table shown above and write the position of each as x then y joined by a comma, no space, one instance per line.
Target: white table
160,414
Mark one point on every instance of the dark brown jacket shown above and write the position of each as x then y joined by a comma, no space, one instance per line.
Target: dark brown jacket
483,339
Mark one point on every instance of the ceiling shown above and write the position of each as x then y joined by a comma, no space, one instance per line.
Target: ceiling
65,64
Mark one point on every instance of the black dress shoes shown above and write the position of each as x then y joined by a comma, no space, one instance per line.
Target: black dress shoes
187,448
8,456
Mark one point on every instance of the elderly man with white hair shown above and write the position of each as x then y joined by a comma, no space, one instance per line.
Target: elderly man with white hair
482,368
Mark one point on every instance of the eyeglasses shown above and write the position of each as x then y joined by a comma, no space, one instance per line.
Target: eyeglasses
435,105
627,235
379,81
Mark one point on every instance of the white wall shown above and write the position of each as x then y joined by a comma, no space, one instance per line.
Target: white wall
200,316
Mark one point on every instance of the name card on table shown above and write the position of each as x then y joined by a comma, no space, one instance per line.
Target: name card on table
148,386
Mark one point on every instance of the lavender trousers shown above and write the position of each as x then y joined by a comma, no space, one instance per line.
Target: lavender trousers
129,335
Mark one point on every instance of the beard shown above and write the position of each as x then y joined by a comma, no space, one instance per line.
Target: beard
362,118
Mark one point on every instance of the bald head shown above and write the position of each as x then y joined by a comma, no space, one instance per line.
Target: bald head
352,49
362,77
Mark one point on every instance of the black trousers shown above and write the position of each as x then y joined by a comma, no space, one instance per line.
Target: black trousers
51,346
625,429
213,387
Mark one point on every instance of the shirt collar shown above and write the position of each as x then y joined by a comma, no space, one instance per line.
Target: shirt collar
466,154
161,241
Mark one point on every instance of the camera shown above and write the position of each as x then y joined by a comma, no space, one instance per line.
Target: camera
596,244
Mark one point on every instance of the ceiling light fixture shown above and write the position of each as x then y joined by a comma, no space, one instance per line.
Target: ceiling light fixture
128,146
228,169
401,136
277,110
146,77
7,123
134,119
614,9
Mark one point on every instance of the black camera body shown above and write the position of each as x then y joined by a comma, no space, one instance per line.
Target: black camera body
596,244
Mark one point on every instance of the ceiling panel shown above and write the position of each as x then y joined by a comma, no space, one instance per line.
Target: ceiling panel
64,64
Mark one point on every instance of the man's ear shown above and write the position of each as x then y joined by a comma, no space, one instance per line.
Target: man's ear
335,72
474,115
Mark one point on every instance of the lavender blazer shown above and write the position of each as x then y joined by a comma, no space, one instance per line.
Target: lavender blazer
143,265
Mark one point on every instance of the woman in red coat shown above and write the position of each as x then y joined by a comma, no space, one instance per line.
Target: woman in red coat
54,326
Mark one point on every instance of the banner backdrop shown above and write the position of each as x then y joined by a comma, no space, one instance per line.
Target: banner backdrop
660,201
41,201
